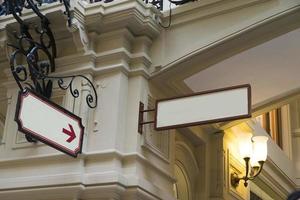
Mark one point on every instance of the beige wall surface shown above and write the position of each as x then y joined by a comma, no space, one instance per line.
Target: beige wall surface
130,59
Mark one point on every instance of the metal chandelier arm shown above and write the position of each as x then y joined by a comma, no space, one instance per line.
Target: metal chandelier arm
258,171
235,179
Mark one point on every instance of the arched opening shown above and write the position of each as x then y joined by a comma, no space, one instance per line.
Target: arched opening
181,187
186,171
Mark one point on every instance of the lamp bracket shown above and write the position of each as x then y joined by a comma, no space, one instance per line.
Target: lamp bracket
254,172
234,179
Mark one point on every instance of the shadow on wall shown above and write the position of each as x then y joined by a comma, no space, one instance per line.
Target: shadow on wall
294,196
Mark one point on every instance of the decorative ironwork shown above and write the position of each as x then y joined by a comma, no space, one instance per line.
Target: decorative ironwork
91,98
32,51
11,6
33,60
39,55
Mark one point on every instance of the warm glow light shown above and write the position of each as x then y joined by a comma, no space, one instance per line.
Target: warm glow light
254,161
260,149
245,146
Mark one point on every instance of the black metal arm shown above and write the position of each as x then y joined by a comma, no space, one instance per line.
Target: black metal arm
250,174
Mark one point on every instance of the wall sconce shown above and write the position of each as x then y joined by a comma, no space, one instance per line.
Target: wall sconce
254,150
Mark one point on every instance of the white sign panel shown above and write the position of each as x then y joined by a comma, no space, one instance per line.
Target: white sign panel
49,123
206,107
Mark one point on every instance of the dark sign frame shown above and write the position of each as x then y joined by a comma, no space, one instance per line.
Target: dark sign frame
248,115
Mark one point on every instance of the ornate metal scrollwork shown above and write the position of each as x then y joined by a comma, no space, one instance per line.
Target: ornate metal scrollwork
67,12
33,60
91,98
40,58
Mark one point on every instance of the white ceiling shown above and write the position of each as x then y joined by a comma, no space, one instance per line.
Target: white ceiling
272,69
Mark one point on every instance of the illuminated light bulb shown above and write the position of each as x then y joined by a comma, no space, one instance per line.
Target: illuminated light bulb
245,146
260,148
254,161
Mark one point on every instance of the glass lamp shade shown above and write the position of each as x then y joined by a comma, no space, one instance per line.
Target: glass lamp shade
260,149
254,161
245,146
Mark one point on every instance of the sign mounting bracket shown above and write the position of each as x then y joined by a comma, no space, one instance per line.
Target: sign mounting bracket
212,106
141,117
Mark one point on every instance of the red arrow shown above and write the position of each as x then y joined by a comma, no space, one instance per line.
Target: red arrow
70,133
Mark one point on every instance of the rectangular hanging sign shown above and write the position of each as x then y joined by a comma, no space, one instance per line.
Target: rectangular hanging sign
204,107
49,123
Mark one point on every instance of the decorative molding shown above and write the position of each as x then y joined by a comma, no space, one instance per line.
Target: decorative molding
110,153
100,86
296,132
208,9
80,36
2,126
211,50
76,191
284,183
119,14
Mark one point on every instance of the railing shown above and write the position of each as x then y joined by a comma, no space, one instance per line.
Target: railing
5,8
157,3
20,4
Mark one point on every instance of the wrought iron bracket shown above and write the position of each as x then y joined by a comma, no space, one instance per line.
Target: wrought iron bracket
254,172
40,55
141,121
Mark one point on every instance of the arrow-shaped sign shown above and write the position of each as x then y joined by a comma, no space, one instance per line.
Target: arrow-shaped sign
70,133
48,123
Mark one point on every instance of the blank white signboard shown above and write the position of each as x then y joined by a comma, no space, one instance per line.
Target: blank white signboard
206,107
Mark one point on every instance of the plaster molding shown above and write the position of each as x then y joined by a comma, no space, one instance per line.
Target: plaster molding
96,64
78,191
219,48
116,14
111,154
267,180
217,166
80,36
189,157
284,179
207,9
243,28
92,183
296,133
56,192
